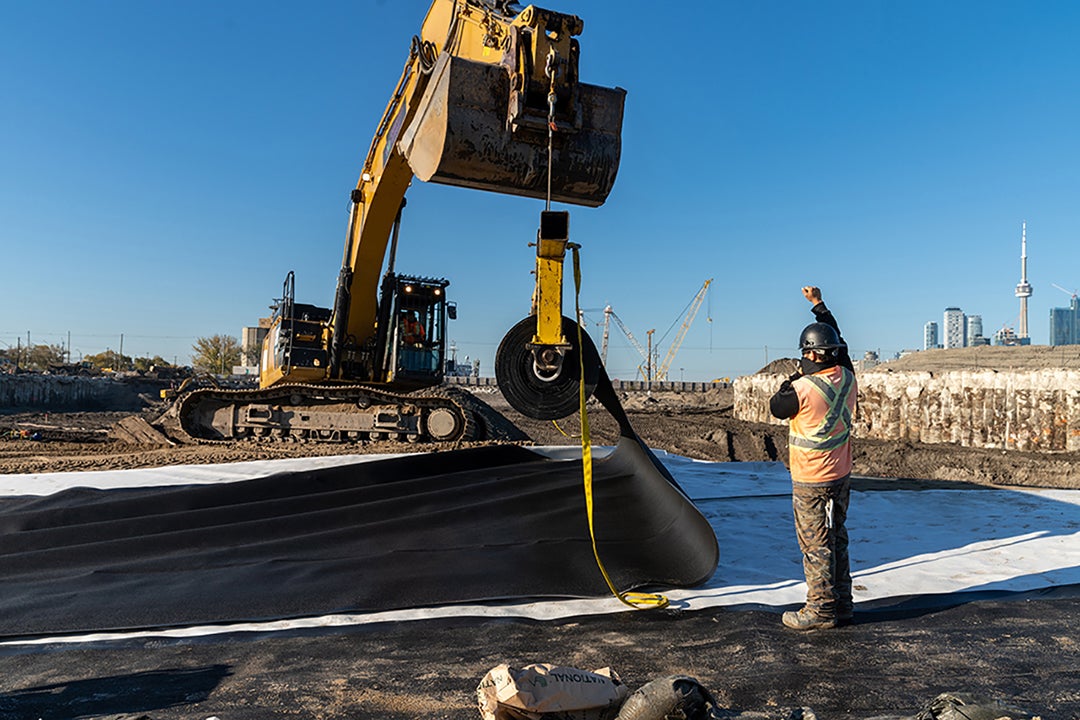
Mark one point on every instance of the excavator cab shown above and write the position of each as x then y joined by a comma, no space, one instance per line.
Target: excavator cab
412,320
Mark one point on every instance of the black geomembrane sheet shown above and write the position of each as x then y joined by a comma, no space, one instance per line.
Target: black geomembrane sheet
469,525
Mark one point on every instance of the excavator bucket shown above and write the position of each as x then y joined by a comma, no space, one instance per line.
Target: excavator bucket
461,135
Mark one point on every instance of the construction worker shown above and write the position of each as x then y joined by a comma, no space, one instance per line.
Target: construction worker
819,401
412,332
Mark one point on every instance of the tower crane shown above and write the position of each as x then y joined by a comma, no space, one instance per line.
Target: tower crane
695,305
1070,293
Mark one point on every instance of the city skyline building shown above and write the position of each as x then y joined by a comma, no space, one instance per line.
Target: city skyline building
1006,336
974,331
955,328
1065,324
930,336
960,330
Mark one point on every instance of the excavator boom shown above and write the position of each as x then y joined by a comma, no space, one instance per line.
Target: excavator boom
489,98
485,98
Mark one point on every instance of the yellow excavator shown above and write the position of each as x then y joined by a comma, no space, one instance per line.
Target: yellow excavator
490,99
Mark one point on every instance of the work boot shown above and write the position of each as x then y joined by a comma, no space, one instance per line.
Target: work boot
807,619
845,616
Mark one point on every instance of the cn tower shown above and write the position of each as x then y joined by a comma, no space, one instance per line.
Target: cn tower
1023,288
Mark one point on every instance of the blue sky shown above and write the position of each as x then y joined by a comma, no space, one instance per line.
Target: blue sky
163,165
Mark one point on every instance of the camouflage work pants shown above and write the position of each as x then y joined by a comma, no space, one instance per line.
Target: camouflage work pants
820,514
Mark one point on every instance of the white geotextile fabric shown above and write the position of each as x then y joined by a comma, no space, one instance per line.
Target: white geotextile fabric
903,542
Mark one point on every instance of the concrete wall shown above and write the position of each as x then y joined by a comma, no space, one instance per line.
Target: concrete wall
31,392
1017,410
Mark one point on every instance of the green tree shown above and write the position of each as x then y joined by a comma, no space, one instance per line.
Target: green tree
110,359
39,357
217,354
143,364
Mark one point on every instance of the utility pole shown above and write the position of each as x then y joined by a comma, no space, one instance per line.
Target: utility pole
604,342
648,359
120,360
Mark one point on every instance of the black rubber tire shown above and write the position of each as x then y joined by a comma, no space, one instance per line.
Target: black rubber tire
530,395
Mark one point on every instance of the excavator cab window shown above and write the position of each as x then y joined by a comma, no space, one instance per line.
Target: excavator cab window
416,353
419,312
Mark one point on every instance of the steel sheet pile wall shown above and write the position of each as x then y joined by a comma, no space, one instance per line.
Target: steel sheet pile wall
1030,410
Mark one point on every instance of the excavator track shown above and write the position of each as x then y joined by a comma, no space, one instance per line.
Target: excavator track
327,413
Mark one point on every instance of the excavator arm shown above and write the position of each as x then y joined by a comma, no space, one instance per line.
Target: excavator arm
489,98
479,93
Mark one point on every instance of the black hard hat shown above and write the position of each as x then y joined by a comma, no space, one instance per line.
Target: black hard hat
819,336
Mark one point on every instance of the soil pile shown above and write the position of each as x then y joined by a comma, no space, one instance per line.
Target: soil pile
988,357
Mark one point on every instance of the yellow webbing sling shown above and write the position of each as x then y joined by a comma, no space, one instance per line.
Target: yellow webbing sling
637,600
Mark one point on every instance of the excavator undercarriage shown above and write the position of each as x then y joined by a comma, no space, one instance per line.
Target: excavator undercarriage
333,414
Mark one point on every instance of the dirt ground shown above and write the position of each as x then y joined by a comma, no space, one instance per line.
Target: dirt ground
697,424
888,666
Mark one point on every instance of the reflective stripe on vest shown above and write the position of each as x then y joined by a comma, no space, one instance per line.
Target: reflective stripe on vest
834,430
821,430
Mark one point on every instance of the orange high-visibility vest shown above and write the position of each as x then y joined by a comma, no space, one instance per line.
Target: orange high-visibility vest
820,434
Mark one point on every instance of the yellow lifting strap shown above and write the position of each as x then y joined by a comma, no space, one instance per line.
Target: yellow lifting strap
559,428
636,600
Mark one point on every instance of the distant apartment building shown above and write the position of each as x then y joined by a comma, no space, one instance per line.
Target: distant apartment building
251,340
870,360
1065,324
1008,336
955,328
930,336
975,332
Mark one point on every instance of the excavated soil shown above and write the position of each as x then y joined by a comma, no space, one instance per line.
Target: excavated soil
887,666
698,425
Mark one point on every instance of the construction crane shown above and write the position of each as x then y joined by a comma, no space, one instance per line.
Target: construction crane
1070,293
691,313
610,315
